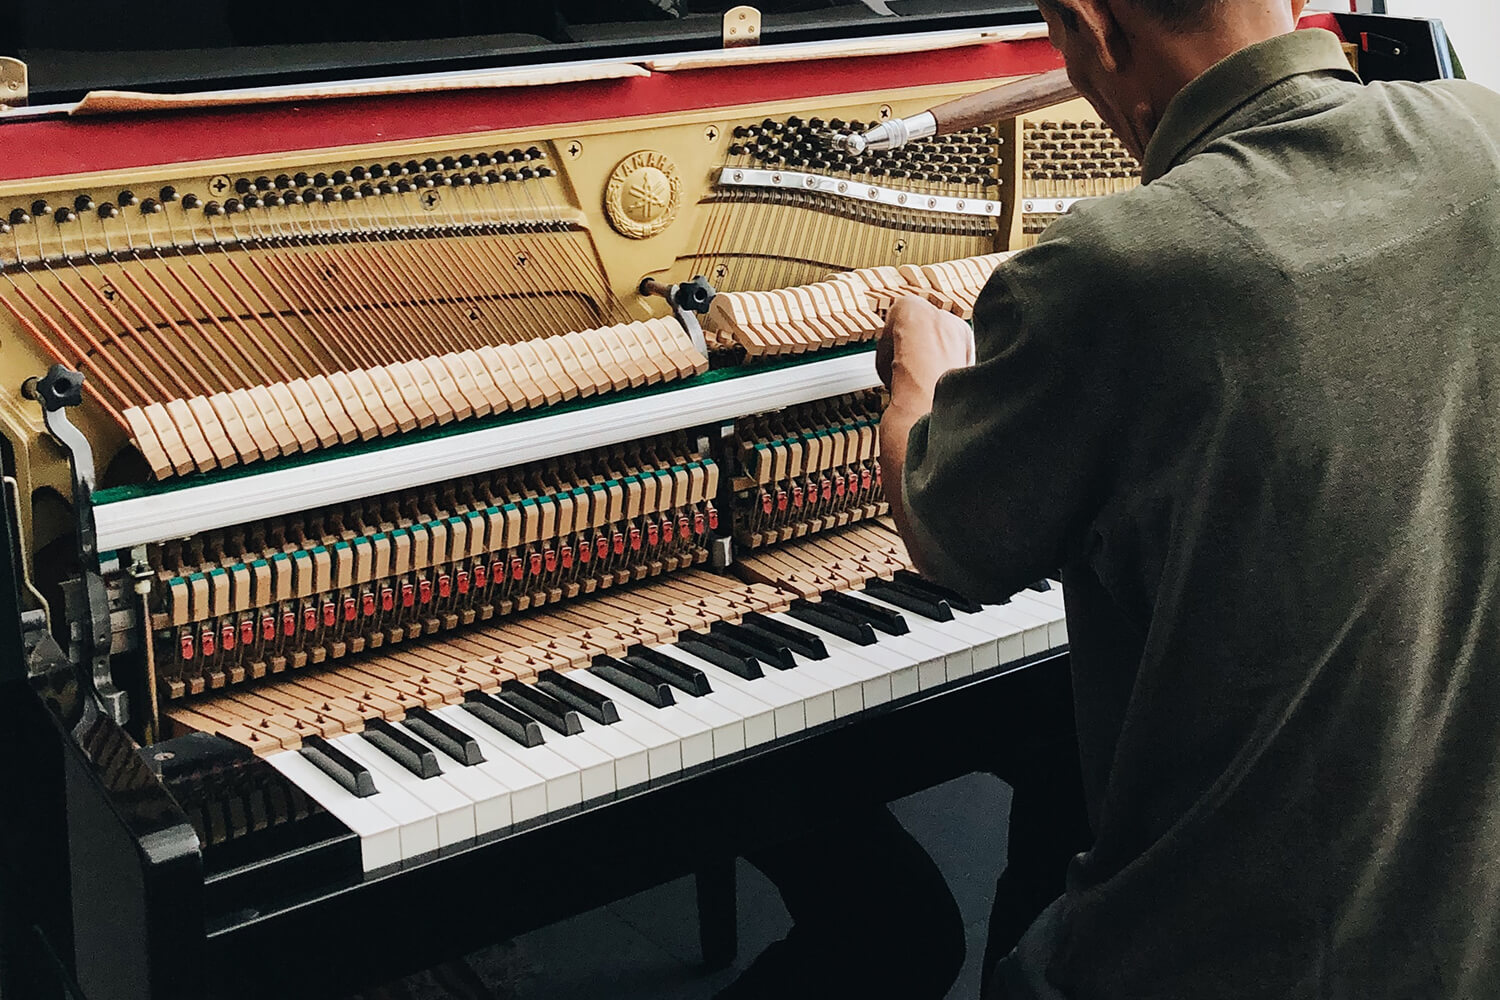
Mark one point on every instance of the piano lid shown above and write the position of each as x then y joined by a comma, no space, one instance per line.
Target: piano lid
186,46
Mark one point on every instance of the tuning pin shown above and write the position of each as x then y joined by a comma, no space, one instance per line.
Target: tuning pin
466,161
213,210
309,196
376,171
386,187
329,196
83,203
168,194
320,180
191,201
458,180
367,190
395,170
493,177
429,165
484,159
412,167
65,214
108,211
19,217
40,209
475,178
348,193
545,172
404,186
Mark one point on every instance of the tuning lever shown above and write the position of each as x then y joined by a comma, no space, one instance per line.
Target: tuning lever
1005,101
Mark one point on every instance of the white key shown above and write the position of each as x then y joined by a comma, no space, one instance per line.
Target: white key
1035,637
917,665
963,648
695,735
491,798
663,748
453,809
418,823
379,835
596,769
1049,606
564,782
782,702
847,668
631,762
528,790
757,720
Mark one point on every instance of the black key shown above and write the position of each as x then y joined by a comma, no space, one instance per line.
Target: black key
542,706
858,632
1041,586
766,646
504,719
956,601
689,680
801,641
629,677
591,703
354,776
401,748
888,621
445,736
936,609
732,655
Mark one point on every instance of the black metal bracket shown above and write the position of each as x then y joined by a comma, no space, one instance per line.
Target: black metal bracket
60,390
689,300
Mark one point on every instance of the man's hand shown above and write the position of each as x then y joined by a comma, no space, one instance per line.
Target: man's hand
919,345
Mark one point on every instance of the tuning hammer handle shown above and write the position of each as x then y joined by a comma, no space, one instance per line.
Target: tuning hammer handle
1009,100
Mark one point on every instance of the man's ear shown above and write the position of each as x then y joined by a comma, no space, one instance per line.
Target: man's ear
1098,29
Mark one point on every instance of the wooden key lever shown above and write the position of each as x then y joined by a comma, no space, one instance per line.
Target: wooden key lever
1005,101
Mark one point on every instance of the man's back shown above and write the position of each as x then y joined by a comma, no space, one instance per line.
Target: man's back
1284,354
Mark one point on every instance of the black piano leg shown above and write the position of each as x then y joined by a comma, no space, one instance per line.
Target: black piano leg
718,923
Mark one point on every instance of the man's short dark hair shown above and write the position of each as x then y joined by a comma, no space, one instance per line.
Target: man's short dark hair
1173,13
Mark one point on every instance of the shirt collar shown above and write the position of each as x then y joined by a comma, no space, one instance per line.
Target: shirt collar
1234,82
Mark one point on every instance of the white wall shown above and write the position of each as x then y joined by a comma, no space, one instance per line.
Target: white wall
1474,26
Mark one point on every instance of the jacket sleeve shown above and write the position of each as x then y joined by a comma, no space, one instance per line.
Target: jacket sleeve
1005,477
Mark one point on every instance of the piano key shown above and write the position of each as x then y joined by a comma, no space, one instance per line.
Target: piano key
904,667
687,679
845,670
379,834
769,710
451,809
663,748
491,798
1035,637
631,758
528,790
541,706
596,770
625,676
763,645
353,776
503,718
561,778
585,700
800,640
724,651
911,600
694,735
457,744
854,631
956,641
402,748
882,619
757,722
955,600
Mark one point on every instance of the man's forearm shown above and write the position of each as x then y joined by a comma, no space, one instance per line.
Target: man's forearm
895,430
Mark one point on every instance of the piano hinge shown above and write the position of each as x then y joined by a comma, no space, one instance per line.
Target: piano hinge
741,27
14,86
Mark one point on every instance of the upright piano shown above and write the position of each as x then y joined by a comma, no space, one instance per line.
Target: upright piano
441,483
